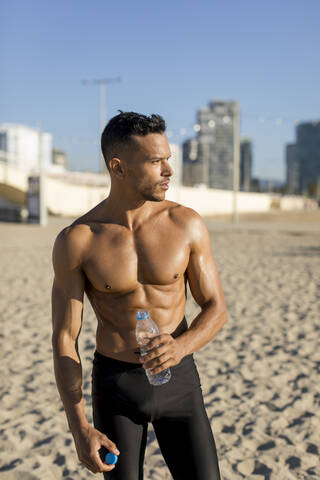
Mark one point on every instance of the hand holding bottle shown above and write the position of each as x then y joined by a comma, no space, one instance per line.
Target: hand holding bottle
146,330
163,351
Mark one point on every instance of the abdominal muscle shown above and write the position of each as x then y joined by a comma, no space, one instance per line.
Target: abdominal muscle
119,342
116,315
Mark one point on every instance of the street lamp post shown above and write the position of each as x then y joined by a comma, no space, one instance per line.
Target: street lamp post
236,161
102,82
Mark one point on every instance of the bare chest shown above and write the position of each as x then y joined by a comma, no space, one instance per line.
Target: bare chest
118,261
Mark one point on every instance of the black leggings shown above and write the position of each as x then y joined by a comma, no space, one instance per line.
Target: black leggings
123,403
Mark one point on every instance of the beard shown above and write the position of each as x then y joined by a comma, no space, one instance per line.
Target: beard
151,193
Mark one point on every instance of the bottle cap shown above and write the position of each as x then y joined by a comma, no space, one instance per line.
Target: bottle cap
141,314
111,458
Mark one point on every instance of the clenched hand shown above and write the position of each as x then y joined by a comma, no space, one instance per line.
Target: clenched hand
88,441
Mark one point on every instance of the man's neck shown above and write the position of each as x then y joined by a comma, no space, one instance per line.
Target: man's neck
128,212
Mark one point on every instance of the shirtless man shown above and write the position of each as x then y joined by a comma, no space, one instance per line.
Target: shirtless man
135,250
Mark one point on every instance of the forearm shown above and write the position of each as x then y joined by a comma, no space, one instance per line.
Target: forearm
68,374
203,329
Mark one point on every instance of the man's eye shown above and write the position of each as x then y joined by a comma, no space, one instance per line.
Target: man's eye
155,161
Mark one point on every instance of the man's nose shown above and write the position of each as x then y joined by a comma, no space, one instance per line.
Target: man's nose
166,169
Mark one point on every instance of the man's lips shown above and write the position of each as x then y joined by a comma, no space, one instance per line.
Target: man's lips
164,185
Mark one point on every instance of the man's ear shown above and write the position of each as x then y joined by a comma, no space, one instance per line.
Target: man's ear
116,167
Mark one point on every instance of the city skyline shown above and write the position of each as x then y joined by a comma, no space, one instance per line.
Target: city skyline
173,60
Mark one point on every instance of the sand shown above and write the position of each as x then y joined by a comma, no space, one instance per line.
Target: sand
260,375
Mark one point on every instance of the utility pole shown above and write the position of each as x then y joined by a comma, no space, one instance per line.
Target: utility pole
43,218
236,162
102,82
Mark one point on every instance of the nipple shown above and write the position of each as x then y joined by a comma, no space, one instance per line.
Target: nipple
176,275
108,286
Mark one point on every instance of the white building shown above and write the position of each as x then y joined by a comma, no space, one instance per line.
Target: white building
24,147
176,163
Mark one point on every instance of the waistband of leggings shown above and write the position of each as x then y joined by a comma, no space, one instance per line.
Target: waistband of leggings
110,362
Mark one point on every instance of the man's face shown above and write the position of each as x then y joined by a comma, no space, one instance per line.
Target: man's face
148,166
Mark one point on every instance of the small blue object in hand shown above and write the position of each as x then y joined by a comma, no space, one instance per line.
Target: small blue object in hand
111,458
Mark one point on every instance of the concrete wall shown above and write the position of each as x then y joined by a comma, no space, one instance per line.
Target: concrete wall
288,202
210,201
13,184
75,196
13,176
72,200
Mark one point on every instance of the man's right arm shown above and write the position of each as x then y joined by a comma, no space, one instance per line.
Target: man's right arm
67,309
67,306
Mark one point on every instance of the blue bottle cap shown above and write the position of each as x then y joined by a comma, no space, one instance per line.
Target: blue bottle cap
111,458
141,314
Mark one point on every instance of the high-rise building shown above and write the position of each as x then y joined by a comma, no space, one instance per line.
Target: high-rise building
216,142
25,147
213,165
193,172
245,164
308,152
293,169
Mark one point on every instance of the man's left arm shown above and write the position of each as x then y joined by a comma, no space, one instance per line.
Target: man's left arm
206,289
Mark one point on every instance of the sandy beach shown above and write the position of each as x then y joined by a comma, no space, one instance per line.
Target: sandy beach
260,375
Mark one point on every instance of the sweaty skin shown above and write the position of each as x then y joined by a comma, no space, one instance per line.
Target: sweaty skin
130,253
142,270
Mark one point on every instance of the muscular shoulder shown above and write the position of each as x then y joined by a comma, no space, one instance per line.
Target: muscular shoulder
186,217
70,245
190,221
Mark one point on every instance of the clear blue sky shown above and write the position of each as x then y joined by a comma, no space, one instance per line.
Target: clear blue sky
175,56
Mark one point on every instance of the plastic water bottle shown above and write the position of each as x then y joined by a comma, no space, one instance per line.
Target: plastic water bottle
146,329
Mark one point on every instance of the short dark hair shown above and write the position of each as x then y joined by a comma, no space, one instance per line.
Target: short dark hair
120,128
